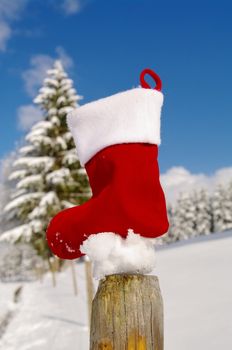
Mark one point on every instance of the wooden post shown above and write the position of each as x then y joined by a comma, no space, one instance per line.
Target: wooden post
74,279
127,314
89,285
52,266
39,273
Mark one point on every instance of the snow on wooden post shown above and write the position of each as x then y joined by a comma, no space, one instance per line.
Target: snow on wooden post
127,314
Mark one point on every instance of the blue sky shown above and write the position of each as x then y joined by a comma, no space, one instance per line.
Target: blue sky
106,44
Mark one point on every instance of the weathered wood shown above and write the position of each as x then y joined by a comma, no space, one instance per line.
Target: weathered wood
127,314
52,269
74,279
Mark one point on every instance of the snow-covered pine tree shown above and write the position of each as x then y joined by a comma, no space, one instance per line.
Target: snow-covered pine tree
5,187
217,200
47,173
168,237
227,212
222,208
183,224
203,224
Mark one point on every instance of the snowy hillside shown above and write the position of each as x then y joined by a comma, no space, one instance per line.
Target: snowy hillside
196,283
195,278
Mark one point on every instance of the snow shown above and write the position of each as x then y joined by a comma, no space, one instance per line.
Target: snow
38,136
16,233
196,287
58,176
36,132
30,180
47,92
50,81
222,208
65,88
66,81
203,212
72,92
55,121
38,99
65,110
36,226
57,72
18,262
7,307
37,212
45,163
52,111
44,124
82,171
184,218
73,98
110,253
23,232
61,75
25,198
18,174
70,157
17,193
66,204
59,141
60,100
68,137
27,149
49,199
41,210
50,318
7,292
59,66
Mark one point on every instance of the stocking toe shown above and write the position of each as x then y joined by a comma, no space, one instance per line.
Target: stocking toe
62,241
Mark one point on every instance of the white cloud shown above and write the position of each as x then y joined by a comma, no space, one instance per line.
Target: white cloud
178,179
10,11
33,77
72,6
28,115
5,34
39,64
66,60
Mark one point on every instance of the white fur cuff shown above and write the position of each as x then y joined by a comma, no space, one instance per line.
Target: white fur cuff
126,117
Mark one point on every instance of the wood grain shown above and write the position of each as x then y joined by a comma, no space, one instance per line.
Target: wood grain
127,314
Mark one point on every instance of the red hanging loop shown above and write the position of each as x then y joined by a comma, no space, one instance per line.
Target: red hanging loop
155,76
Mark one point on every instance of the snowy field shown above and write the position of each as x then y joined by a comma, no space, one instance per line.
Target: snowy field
195,278
196,282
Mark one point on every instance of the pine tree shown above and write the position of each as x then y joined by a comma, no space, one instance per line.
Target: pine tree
5,187
48,174
217,208
203,217
222,208
184,218
169,236
227,212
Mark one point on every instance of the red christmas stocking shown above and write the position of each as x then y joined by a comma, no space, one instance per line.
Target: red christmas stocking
117,140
